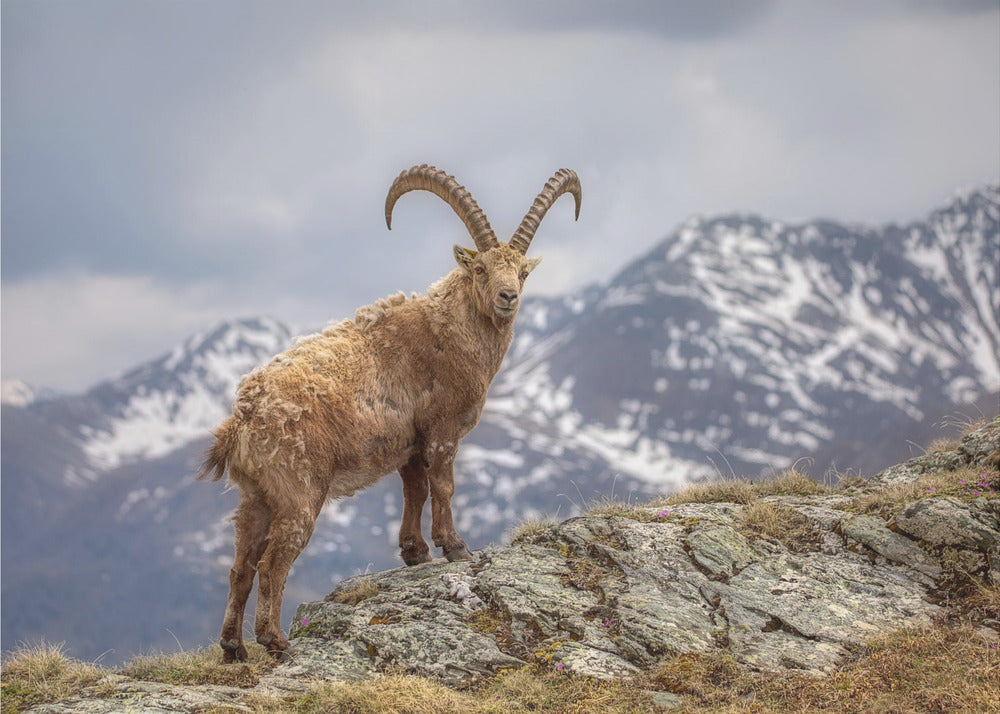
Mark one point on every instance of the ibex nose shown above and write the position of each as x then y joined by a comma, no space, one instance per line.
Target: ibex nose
510,297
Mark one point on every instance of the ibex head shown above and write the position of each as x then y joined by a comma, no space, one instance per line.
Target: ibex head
498,270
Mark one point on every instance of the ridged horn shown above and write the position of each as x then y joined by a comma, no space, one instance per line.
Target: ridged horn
440,183
564,181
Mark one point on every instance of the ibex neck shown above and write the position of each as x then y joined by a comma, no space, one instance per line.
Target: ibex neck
482,339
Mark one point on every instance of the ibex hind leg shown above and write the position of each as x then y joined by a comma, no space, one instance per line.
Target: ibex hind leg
252,522
286,539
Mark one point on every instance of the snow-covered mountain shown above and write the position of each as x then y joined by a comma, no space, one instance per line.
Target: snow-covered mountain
179,398
737,344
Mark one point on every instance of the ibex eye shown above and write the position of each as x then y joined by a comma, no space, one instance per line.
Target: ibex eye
524,275
479,270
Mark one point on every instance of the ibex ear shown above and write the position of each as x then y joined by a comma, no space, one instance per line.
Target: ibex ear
533,263
464,256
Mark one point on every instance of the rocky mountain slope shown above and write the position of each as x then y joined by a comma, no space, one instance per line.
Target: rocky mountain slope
737,345
784,576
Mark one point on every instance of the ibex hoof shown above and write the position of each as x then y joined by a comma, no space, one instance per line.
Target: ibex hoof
458,554
233,651
415,558
277,646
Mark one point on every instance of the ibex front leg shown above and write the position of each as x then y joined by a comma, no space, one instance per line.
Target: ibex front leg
412,546
441,478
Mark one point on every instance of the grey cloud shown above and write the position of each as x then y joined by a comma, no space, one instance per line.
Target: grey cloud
949,7
236,154
675,19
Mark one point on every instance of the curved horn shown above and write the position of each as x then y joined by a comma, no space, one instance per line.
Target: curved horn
564,181
428,178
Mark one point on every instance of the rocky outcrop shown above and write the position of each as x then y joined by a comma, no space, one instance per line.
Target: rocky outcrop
608,595
784,581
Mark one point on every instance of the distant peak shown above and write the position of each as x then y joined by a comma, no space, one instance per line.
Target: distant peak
16,393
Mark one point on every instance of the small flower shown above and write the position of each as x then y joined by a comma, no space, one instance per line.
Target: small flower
664,513
305,621
607,623
559,666
932,489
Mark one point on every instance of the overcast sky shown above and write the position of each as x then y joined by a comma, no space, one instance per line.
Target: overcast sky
170,164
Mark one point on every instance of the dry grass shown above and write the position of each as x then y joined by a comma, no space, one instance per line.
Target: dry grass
609,508
790,483
42,672
392,693
965,483
530,528
361,590
762,519
202,666
933,670
548,691
526,690
985,600
961,425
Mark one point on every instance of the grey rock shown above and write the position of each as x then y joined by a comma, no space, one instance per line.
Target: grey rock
667,700
801,611
874,534
949,522
608,596
719,549
150,698
587,661
315,658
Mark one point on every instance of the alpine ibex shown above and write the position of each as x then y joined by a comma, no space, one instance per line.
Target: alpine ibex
394,389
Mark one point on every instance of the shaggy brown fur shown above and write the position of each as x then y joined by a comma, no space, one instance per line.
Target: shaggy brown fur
396,388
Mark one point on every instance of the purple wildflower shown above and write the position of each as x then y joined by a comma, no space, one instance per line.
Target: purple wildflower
664,513
305,621
559,666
